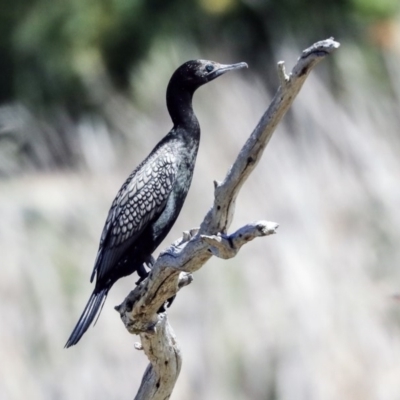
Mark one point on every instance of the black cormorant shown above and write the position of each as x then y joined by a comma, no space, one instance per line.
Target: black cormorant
149,201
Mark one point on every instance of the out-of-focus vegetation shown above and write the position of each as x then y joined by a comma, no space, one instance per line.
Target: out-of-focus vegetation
52,47
62,62
312,313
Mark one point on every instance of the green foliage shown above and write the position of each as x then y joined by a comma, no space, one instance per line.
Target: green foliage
50,48
377,9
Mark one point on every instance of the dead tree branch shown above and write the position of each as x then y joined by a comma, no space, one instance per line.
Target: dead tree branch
174,267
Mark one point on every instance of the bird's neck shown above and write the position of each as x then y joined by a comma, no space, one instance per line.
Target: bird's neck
179,104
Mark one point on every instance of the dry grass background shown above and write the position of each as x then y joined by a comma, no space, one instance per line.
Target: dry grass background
308,314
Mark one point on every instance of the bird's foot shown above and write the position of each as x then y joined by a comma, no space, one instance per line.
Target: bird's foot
143,274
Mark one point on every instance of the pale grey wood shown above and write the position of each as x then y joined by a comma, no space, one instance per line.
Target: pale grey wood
174,267
220,215
163,352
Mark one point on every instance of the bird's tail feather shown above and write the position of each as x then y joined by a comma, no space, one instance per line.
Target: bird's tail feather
93,308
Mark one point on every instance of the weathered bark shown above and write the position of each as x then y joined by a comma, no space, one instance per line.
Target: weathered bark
174,267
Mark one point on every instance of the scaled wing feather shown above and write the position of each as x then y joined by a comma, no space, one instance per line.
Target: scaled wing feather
140,201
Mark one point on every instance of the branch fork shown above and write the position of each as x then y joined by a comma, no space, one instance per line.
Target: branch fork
227,246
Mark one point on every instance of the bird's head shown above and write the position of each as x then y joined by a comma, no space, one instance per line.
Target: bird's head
195,73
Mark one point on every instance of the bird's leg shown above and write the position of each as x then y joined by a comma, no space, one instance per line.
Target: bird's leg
142,272
149,261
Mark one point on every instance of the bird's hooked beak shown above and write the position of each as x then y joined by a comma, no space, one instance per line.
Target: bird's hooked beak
222,68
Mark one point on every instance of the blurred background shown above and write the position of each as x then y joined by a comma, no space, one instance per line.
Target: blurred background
311,313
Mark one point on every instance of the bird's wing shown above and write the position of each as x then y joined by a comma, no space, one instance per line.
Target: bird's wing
140,200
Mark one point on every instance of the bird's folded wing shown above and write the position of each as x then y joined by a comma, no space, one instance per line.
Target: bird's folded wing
140,201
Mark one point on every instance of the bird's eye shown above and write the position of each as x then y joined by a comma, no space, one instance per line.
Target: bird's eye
209,67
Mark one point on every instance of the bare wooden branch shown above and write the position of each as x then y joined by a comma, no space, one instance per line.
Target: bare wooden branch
227,246
220,216
163,352
174,267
